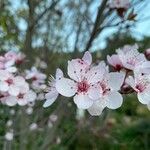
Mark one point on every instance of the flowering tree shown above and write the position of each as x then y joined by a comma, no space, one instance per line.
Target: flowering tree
92,84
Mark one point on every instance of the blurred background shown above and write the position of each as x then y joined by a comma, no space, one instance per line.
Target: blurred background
54,31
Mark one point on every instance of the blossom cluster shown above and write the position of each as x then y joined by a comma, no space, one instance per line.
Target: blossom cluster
93,87
137,68
37,81
14,88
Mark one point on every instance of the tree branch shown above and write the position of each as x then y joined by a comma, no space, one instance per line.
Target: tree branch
97,23
51,7
32,22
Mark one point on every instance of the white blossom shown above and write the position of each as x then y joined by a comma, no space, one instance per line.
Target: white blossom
52,92
33,126
83,82
141,85
9,136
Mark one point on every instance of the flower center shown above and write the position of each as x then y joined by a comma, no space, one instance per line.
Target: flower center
104,88
9,81
118,67
83,86
19,61
34,78
20,96
140,87
2,96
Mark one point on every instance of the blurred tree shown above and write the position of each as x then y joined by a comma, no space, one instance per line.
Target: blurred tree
58,25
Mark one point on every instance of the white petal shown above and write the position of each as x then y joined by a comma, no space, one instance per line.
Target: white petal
87,57
24,88
11,101
143,67
103,67
116,80
59,74
4,75
3,86
114,60
95,74
52,93
66,87
144,97
30,96
130,57
22,101
76,69
9,63
82,101
41,76
97,108
29,74
34,69
114,100
19,81
94,92
50,101
11,69
13,90
72,71
130,81
50,98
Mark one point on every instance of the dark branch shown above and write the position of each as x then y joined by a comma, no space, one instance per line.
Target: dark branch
97,23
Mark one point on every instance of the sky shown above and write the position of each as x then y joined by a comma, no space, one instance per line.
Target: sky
141,29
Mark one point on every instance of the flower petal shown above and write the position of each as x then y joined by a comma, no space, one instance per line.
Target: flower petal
130,81
95,74
114,100
51,93
4,75
144,97
9,63
59,74
50,101
82,101
24,88
50,98
114,60
19,80
87,57
94,92
30,96
66,87
11,69
143,67
97,108
130,56
11,101
116,80
22,101
13,90
4,86
77,69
